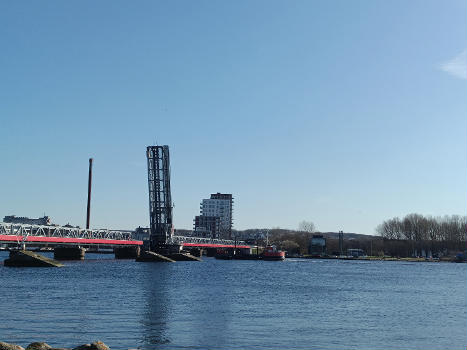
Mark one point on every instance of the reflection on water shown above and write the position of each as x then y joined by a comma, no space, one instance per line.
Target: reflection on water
184,307
157,304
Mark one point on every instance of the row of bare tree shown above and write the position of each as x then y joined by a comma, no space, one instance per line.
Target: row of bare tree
416,227
416,233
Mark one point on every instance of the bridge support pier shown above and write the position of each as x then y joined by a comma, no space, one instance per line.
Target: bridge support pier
198,252
175,252
183,257
127,252
148,256
25,258
69,253
211,252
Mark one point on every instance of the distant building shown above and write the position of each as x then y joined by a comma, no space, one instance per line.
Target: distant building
70,226
141,234
341,243
13,219
317,245
207,226
355,253
251,235
220,205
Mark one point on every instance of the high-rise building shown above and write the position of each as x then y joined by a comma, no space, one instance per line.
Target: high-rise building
220,205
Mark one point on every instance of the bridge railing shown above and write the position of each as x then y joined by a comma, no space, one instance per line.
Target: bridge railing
203,240
62,231
25,230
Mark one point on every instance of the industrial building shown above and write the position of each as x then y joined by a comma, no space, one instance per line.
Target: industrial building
317,245
13,219
355,253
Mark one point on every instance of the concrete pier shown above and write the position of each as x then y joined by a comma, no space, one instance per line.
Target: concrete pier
211,252
25,258
69,253
127,252
148,256
196,252
183,257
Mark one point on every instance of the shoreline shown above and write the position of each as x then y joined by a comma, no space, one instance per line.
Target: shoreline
376,258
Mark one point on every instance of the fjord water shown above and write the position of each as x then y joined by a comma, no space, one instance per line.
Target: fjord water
218,304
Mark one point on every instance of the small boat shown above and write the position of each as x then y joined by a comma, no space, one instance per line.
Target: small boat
272,253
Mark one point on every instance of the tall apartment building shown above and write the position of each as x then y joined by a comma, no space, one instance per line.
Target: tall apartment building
220,205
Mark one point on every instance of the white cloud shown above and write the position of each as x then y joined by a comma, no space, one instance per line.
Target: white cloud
457,66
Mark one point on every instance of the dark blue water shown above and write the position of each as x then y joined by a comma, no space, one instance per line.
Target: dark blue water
218,304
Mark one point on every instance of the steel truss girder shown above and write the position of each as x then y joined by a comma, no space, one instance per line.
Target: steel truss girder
204,240
61,231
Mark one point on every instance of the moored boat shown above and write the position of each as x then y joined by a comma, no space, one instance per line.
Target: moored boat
272,253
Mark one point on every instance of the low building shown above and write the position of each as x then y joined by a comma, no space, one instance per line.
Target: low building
317,245
13,219
355,253
207,226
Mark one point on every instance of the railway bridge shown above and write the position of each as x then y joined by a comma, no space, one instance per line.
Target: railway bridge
65,240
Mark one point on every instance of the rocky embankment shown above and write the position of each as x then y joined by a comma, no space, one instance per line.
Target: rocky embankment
98,345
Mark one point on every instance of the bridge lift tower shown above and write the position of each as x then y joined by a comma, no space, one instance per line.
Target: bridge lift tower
160,200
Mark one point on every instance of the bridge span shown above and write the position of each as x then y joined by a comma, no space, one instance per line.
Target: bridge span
33,235
72,242
38,234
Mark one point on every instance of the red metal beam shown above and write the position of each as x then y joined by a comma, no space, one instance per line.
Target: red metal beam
41,239
67,240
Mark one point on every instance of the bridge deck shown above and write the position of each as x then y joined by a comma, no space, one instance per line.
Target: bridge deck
37,234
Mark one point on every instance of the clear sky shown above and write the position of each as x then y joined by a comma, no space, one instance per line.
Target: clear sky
344,113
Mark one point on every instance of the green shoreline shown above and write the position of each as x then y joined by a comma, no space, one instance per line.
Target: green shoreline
375,258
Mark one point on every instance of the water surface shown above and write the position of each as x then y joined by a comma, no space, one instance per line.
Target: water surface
218,304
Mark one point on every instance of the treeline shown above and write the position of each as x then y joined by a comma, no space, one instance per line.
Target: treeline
416,234
294,242
297,242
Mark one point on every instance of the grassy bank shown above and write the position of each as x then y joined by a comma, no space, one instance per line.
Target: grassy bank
377,258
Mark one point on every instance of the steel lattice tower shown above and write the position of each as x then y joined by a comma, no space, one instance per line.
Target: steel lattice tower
160,201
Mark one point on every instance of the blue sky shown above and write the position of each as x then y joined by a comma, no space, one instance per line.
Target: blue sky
344,113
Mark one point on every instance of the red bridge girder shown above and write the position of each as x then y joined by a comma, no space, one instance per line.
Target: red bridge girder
67,240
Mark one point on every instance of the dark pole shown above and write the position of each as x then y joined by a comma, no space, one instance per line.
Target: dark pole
88,214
